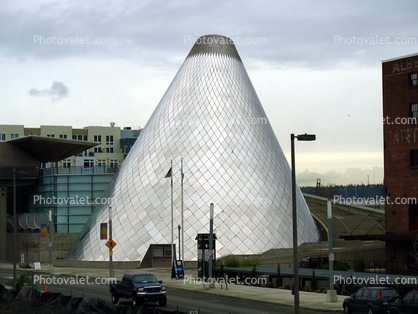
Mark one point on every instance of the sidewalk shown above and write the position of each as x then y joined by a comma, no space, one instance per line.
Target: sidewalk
308,300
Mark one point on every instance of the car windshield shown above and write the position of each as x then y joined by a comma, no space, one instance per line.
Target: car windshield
388,293
144,279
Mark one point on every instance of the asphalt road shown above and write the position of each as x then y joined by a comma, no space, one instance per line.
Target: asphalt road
184,301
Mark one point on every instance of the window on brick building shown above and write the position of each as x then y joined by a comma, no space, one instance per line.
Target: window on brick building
414,158
414,111
413,79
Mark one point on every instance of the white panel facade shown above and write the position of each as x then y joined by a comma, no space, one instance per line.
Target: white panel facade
212,118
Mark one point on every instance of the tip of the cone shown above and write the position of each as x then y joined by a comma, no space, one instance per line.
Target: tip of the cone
213,43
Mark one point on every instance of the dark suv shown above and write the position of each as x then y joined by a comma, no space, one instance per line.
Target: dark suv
139,287
409,304
372,300
313,261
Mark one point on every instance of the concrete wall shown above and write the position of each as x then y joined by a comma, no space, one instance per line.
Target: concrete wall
38,247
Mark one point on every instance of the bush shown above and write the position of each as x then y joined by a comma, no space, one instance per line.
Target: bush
359,265
21,280
314,283
232,262
279,277
249,262
350,286
286,286
252,272
270,284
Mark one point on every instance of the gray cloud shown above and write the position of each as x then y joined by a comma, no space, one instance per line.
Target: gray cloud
57,91
321,35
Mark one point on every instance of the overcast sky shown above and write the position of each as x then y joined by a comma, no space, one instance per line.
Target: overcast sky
315,66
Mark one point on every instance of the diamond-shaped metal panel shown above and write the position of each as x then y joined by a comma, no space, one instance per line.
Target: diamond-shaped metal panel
212,118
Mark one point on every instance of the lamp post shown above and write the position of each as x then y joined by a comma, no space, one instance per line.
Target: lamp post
301,137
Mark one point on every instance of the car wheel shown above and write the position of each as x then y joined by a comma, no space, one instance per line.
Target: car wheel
347,309
136,302
163,302
370,310
115,297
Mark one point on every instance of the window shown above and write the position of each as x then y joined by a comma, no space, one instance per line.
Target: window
413,79
2,137
63,136
366,293
414,158
109,150
414,110
408,299
12,136
97,150
109,139
167,251
88,163
101,162
113,163
66,163
80,137
50,135
97,138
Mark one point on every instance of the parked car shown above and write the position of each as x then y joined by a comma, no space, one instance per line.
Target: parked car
373,300
313,261
139,287
409,304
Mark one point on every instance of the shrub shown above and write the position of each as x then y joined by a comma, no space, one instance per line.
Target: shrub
314,283
249,262
232,262
345,292
286,286
306,288
270,284
252,272
279,277
21,280
359,265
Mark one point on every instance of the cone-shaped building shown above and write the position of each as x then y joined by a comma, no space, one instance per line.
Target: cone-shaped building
211,118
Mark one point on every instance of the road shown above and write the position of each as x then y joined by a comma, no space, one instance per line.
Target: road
182,300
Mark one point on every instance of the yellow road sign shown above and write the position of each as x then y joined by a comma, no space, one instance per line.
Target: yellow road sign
110,244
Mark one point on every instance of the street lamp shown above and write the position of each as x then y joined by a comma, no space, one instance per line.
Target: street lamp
301,137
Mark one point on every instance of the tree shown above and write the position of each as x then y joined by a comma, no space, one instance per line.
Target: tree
314,282
279,277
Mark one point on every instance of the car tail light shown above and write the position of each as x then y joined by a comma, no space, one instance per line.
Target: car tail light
309,262
378,294
140,289
163,288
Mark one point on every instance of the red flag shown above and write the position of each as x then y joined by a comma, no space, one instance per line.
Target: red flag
168,175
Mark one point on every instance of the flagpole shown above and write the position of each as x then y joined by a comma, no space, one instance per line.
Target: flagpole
182,216
172,217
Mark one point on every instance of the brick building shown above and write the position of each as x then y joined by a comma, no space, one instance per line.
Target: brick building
400,128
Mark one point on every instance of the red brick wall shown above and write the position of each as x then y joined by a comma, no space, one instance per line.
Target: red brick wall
399,138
